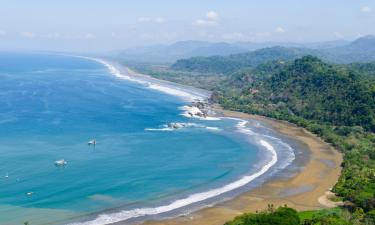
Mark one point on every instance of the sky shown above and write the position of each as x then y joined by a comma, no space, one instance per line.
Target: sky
107,25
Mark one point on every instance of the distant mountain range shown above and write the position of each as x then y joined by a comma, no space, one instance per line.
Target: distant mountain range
360,50
339,51
178,50
234,62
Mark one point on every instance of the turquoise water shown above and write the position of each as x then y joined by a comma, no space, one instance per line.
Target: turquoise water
51,105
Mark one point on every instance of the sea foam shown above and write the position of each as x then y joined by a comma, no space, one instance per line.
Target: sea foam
194,198
192,111
166,87
152,83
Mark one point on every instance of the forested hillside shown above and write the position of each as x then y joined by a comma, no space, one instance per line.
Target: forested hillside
232,63
317,91
361,50
337,103
366,70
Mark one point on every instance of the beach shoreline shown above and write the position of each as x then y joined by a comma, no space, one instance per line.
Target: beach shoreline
320,174
304,188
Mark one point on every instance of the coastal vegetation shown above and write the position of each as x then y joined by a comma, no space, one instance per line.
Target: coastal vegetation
289,216
195,79
308,89
335,102
232,63
280,216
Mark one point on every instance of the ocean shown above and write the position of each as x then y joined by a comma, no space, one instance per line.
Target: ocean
50,107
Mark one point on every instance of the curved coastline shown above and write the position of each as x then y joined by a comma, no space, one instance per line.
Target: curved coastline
302,191
189,94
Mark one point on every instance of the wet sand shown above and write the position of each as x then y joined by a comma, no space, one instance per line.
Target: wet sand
302,191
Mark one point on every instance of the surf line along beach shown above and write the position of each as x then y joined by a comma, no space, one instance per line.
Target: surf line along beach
301,191
319,174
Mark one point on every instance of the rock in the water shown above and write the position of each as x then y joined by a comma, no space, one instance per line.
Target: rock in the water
176,125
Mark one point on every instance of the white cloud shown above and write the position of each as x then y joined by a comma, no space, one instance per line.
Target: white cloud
280,30
212,15
212,18
365,9
27,34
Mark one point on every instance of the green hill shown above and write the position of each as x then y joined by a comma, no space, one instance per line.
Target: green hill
313,90
361,50
235,62
336,102
367,70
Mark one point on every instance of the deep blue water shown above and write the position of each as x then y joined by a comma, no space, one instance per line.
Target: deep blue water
51,105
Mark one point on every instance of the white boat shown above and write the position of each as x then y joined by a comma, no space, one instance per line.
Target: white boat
92,142
61,162
29,193
7,175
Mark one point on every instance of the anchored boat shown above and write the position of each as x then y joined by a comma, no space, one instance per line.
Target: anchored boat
61,162
92,142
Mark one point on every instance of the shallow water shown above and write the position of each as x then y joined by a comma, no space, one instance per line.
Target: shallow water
51,105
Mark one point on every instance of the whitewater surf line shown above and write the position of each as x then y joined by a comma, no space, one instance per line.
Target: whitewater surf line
108,218
194,198
152,83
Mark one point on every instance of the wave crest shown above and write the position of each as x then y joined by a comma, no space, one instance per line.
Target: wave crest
194,198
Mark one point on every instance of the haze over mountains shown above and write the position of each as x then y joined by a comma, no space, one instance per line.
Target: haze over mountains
341,51
179,50
360,50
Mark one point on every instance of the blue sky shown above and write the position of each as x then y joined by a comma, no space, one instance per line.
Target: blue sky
97,25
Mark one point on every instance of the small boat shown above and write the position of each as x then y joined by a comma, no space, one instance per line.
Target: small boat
61,162
6,175
92,142
29,193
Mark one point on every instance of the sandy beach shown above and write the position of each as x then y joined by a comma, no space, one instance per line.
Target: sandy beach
305,190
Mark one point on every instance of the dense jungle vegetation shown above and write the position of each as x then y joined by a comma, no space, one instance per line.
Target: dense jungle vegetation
335,102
